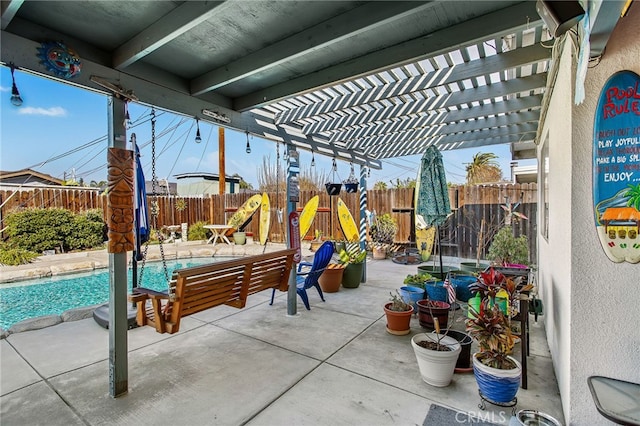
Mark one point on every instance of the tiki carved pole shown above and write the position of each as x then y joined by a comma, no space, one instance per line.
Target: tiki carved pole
120,200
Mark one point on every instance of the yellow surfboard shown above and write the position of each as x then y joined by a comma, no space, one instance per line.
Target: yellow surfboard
265,218
424,241
307,215
247,210
348,225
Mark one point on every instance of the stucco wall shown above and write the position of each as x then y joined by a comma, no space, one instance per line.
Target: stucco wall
605,327
594,304
554,276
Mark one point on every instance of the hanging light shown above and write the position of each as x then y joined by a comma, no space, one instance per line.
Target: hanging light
248,146
15,94
198,137
313,159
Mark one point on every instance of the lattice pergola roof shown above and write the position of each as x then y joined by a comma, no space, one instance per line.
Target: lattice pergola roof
356,80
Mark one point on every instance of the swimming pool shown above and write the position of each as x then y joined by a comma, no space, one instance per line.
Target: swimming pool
54,295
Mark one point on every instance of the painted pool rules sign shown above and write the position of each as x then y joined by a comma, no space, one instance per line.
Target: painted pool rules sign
616,167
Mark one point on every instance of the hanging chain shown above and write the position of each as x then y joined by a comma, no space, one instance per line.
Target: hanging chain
155,210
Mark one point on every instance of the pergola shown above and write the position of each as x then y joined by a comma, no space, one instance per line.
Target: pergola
357,81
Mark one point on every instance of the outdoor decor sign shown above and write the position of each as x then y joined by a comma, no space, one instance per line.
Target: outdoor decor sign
616,167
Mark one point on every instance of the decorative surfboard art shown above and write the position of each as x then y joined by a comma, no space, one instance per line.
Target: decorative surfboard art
247,210
308,214
616,167
348,225
265,218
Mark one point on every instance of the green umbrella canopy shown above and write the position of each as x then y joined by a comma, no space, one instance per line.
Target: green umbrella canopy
432,201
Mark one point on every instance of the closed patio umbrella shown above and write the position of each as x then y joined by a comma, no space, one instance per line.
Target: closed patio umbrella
433,195
141,209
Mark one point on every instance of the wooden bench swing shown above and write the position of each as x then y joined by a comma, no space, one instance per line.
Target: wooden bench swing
198,288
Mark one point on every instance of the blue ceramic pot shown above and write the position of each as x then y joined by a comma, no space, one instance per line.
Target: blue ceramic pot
436,291
412,295
462,283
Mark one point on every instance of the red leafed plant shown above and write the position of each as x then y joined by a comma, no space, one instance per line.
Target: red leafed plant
490,328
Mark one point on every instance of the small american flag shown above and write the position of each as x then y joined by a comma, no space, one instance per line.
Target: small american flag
450,290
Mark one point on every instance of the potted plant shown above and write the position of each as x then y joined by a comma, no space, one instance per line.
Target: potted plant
353,259
398,313
437,355
236,222
331,278
382,232
497,373
317,240
508,250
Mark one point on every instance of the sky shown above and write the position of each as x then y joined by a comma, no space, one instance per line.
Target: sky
61,130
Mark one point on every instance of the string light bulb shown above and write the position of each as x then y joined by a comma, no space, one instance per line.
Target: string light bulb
313,159
248,145
16,100
198,137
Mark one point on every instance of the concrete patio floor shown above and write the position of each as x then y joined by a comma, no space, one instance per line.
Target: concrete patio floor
332,365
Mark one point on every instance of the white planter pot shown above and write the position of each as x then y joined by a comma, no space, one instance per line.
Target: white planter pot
436,367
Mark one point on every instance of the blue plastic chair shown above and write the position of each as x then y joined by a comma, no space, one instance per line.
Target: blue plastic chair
306,280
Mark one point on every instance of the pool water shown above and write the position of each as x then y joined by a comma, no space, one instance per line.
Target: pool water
54,295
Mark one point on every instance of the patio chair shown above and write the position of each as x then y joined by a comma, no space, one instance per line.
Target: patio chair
308,279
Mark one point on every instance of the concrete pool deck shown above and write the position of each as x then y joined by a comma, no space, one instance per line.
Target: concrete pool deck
334,364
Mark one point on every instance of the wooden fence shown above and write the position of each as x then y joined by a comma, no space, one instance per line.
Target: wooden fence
477,214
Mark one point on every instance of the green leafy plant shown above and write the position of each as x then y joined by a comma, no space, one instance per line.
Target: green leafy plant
634,196
490,328
197,231
37,230
15,256
383,230
398,304
418,280
353,254
506,248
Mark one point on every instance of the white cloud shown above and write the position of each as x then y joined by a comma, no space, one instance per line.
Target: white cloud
49,112
4,89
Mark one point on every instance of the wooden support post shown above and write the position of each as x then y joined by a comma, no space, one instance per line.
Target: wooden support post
222,182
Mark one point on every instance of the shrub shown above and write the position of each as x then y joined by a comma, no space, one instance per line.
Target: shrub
197,231
506,248
88,231
37,230
15,256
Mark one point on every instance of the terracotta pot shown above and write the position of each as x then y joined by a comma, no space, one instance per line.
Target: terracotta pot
331,278
379,253
398,323
315,245
428,309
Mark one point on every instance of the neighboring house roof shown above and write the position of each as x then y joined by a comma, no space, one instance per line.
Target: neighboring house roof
207,176
29,177
621,214
161,187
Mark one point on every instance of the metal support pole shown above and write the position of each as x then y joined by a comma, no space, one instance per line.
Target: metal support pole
118,309
363,215
293,190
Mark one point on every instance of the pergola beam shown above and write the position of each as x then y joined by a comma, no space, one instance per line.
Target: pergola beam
411,122
444,130
9,10
463,34
349,24
479,67
182,19
391,149
401,109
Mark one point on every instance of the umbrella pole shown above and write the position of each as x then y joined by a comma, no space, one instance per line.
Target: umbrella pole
439,248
